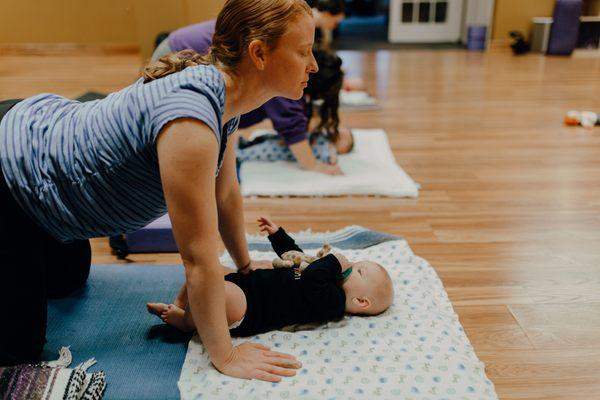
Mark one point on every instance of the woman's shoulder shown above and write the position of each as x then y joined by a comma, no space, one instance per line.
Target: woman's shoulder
204,79
207,74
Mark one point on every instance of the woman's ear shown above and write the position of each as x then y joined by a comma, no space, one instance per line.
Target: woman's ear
257,50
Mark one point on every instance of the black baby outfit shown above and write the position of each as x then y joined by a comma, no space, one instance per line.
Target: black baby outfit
280,297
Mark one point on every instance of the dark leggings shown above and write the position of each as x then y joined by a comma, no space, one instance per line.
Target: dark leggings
33,267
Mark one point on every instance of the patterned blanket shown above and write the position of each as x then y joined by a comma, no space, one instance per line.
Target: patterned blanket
415,350
52,380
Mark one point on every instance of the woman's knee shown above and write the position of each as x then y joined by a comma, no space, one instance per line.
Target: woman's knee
68,266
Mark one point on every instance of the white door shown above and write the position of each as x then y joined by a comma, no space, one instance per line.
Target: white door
421,21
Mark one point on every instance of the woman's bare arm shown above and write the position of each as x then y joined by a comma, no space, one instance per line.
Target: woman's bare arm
187,152
230,206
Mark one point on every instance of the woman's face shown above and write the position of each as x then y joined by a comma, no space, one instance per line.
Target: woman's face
291,62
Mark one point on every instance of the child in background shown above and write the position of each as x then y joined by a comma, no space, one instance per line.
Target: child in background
270,147
327,140
268,299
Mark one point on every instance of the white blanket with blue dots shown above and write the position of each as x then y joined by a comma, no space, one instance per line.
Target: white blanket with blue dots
417,349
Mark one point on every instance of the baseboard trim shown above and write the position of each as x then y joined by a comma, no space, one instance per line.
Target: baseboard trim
46,49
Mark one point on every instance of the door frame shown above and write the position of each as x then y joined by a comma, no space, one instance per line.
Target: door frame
426,32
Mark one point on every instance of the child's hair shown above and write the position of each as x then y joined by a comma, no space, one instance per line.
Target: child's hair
239,23
325,85
333,7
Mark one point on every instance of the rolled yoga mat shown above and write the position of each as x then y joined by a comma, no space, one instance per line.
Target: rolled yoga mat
565,28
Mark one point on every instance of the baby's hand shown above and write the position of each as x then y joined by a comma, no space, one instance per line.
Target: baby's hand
266,225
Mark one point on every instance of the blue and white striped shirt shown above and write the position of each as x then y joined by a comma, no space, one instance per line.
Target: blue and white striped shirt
91,169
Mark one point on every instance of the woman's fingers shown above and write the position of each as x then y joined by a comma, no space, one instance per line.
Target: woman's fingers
265,376
260,346
284,362
256,361
275,370
271,353
277,358
282,359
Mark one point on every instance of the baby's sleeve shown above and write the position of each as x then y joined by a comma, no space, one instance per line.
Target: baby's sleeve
321,288
289,119
282,242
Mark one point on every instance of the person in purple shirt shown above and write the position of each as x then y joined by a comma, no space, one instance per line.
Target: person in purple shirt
290,118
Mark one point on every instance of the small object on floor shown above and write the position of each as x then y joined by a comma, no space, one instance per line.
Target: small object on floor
476,37
519,45
587,119
357,99
53,379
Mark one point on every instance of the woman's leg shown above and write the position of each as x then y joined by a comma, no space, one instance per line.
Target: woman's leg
22,283
68,266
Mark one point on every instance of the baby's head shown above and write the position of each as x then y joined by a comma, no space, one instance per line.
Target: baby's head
369,289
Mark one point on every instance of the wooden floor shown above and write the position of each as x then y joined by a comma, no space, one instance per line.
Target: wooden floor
509,211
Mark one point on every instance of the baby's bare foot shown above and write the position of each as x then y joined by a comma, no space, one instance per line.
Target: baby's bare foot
156,308
172,315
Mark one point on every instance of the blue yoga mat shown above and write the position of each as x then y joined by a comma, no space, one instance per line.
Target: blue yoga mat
107,320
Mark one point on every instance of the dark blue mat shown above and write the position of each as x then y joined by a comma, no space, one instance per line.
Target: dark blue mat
108,320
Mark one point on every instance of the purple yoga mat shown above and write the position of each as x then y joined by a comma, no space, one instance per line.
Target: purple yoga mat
565,28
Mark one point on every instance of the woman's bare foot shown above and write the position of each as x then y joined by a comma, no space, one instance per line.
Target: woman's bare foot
172,315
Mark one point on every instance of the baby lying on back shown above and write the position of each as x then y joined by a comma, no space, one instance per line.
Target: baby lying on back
269,299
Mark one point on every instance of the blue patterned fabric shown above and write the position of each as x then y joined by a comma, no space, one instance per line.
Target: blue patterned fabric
271,148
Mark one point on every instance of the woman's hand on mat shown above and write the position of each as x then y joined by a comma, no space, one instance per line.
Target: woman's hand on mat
329,169
267,226
255,361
